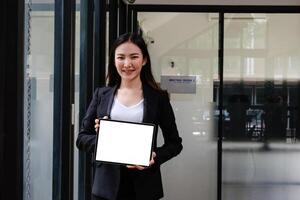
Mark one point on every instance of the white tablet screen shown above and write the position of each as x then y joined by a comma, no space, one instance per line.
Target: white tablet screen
124,142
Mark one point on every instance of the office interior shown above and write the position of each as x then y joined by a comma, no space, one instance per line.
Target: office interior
238,115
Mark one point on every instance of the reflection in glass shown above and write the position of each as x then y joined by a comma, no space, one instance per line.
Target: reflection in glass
191,51
261,102
76,97
38,109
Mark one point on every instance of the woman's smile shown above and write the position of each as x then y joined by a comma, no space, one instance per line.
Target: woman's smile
128,71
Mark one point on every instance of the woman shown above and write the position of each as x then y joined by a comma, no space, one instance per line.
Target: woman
131,95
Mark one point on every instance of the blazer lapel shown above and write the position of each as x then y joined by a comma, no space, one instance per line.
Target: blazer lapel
107,100
150,104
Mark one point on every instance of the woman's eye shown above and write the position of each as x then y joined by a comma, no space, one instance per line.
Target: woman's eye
120,58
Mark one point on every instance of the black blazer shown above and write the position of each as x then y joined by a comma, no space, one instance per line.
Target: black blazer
157,110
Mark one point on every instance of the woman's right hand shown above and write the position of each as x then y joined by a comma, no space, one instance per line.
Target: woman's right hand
97,124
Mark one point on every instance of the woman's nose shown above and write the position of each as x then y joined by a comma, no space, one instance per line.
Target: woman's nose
127,63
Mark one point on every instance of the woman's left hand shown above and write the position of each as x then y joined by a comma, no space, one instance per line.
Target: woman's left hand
141,167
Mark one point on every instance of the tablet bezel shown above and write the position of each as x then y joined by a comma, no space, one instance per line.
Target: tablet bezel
127,122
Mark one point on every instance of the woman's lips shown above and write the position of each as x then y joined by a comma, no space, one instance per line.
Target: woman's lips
128,71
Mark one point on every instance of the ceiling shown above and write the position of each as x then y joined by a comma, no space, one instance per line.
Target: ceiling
219,2
202,2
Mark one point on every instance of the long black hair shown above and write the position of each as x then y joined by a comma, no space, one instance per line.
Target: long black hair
113,77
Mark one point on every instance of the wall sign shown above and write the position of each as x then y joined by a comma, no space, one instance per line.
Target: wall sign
179,84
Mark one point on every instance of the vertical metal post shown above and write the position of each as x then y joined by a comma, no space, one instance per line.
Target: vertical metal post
63,127
85,91
113,21
129,18
11,99
3,35
122,17
298,111
92,75
134,21
100,43
220,122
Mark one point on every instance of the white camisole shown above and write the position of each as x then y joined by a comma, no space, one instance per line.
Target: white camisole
132,113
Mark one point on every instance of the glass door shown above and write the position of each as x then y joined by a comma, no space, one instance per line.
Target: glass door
261,101
76,98
38,105
48,95
184,55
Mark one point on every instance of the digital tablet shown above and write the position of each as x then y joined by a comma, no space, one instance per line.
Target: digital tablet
122,142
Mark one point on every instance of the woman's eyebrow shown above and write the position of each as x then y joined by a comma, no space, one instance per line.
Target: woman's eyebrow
134,54
131,54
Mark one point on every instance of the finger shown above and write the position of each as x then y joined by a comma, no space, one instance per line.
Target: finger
135,167
151,162
96,126
153,155
152,159
130,166
139,167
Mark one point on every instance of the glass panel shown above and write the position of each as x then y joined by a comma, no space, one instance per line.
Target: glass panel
188,54
76,96
38,109
261,107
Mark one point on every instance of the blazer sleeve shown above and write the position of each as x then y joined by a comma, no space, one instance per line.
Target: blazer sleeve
86,139
172,141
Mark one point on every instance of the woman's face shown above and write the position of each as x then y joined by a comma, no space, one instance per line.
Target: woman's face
129,61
